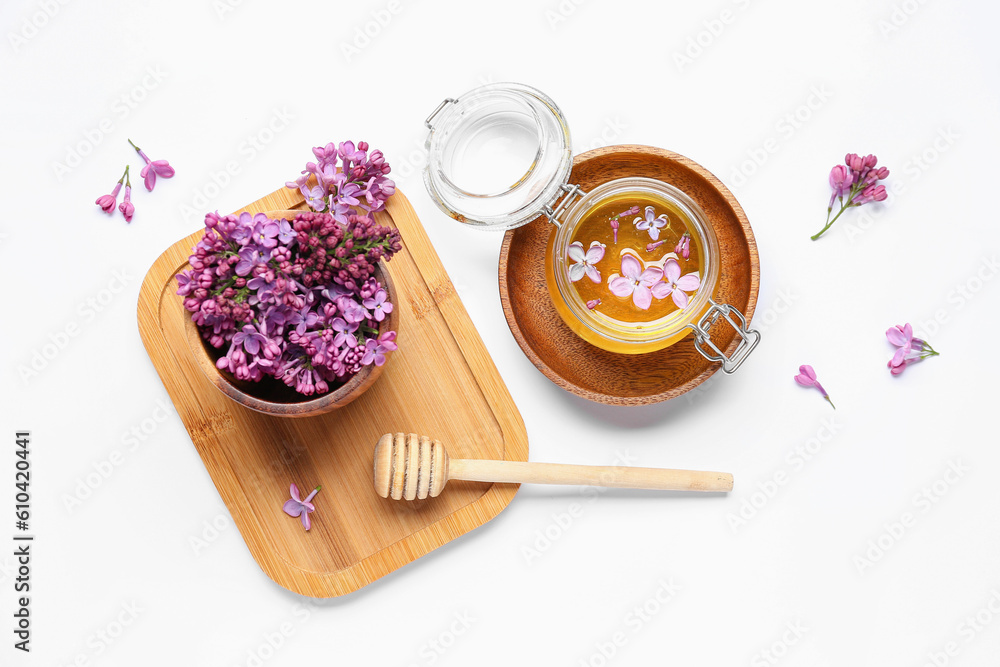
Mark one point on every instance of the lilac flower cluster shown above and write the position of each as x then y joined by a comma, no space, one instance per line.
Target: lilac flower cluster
346,176
295,300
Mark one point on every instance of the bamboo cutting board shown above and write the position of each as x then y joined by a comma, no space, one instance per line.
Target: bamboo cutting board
441,381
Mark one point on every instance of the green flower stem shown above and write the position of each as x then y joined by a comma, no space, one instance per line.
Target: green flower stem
134,146
843,207
929,351
221,289
828,224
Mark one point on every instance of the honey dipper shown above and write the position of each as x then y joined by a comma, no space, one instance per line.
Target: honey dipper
413,467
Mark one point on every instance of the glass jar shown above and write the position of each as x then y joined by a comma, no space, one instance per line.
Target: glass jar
500,157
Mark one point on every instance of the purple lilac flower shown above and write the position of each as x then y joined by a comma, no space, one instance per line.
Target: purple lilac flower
297,507
260,285
909,349
345,333
251,339
275,318
352,311
126,207
153,168
250,259
348,153
265,232
651,222
374,352
683,247
316,198
807,378
346,176
107,202
348,192
298,183
285,232
378,305
388,341
303,319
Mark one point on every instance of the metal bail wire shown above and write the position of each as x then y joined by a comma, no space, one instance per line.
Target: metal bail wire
748,337
572,191
440,107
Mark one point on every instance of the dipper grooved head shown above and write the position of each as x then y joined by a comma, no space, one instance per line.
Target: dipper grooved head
409,466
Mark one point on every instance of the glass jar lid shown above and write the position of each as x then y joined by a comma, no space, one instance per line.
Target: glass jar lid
498,156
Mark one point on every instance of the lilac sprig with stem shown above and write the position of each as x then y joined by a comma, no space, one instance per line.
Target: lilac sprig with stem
127,207
108,202
854,184
909,349
152,169
807,378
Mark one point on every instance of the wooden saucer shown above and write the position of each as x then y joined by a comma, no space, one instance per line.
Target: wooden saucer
608,377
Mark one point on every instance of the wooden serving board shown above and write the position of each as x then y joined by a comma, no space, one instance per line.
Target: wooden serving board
441,383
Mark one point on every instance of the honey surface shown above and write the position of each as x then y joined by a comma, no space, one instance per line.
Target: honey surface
596,226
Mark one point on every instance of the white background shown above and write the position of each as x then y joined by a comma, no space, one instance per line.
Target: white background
769,101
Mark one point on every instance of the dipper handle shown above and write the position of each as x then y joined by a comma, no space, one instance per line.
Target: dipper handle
614,476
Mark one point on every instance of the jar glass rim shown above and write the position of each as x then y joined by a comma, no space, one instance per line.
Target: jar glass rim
448,173
512,108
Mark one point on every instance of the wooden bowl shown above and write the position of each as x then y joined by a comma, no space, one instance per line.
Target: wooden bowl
626,379
272,396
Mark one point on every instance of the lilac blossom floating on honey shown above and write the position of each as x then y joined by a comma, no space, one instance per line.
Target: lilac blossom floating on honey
584,262
636,282
651,222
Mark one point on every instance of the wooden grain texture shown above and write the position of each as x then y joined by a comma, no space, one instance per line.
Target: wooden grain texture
441,380
623,379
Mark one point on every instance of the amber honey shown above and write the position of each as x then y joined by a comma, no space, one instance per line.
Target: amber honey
636,215
629,269
610,265
596,225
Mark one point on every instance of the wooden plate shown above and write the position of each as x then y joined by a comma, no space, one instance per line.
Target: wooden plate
441,382
626,379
